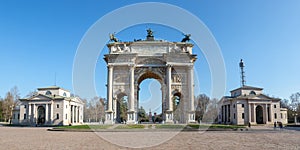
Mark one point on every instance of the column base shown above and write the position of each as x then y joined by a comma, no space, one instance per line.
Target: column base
109,117
169,117
191,117
131,117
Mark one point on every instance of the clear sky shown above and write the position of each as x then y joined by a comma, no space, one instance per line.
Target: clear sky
40,38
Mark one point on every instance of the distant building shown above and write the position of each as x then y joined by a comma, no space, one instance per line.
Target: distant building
50,106
249,104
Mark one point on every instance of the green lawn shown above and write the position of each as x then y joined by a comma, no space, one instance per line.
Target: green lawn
131,126
215,126
86,127
169,126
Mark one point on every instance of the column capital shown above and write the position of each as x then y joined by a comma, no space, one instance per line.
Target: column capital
169,65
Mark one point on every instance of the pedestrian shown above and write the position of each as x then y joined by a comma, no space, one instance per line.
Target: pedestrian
274,125
280,125
249,125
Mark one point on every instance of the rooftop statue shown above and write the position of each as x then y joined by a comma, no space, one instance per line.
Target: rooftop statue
186,37
149,33
112,37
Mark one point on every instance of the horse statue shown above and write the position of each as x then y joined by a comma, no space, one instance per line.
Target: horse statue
186,37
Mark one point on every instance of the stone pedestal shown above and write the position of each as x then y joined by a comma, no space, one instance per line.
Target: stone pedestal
131,117
169,117
109,117
191,117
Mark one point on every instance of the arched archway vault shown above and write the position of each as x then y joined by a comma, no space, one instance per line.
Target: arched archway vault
170,63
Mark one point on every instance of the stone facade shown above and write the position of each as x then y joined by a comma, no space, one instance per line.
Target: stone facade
50,106
249,104
170,63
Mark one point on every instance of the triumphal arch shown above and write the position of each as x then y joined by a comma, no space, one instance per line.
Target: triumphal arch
170,63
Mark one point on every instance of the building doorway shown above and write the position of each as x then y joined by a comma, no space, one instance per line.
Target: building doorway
259,115
41,115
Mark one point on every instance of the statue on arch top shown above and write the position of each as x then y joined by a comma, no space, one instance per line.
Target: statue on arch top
112,37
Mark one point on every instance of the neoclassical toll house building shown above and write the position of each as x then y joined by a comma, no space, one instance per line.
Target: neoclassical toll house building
249,104
50,106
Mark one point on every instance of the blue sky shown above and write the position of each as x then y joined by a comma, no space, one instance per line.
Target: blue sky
40,38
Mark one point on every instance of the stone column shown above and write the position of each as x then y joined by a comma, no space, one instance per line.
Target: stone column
34,114
51,113
109,87
225,106
254,113
132,88
109,111
72,111
266,113
191,94
46,114
29,112
169,101
131,113
77,120
249,115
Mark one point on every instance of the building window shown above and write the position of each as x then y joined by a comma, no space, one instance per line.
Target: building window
243,115
24,116
281,115
233,105
252,93
233,115
18,116
66,116
66,106
57,106
57,116
243,105
48,93
275,116
65,95
24,106
274,106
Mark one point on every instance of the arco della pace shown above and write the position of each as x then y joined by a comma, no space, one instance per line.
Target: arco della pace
170,63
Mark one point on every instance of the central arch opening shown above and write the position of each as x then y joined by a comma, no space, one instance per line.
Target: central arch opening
150,98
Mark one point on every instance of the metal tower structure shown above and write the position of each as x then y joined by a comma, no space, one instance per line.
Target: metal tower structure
243,81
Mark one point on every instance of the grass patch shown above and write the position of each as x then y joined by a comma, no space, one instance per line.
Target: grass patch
85,127
131,126
214,126
169,126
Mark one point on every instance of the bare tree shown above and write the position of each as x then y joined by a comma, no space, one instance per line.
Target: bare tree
202,102
94,109
211,114
7,106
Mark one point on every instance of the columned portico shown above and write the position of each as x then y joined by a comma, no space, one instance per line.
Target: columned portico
50,106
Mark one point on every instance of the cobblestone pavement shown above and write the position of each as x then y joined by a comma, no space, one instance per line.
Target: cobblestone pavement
40,138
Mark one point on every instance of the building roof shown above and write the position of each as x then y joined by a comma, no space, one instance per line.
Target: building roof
51,88
51,97
247,88
251,97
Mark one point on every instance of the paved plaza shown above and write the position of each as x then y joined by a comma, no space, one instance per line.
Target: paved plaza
40,138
